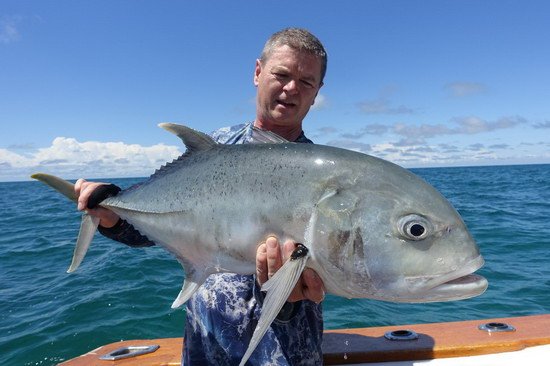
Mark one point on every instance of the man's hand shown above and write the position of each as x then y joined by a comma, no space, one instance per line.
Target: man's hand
83,189
269,259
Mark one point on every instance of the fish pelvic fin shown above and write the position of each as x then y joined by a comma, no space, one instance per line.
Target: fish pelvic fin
278,290
62,186
193,140
88,227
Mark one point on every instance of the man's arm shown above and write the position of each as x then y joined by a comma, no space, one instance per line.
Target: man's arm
110,225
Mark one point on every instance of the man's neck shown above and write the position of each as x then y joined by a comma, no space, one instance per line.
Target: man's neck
291,133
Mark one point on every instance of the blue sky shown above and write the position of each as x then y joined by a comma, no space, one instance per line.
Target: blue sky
83,84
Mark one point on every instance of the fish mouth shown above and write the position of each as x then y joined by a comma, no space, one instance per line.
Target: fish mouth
460,288
457,285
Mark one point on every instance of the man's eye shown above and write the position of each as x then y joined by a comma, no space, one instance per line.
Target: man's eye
307,84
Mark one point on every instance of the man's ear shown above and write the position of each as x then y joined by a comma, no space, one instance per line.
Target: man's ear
257,71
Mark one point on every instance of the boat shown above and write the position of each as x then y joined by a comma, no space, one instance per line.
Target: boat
488,342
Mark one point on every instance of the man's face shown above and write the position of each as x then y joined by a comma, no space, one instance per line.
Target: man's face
288,83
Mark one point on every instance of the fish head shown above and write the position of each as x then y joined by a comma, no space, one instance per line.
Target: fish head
395,238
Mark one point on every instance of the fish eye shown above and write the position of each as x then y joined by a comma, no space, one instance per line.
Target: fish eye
416,230
414,227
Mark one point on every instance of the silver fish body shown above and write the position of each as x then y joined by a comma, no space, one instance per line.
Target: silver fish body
373,229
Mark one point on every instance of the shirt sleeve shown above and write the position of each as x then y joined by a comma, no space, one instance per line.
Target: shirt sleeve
125,233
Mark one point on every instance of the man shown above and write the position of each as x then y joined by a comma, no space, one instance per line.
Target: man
222,314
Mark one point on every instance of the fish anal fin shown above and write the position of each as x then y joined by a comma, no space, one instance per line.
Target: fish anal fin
193,280
187,290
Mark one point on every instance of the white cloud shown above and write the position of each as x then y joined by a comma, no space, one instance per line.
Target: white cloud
70,158
542,125
320,102
371,129
383,106
474,125
351,145
411,134
8,30
417,145
464,88
415,134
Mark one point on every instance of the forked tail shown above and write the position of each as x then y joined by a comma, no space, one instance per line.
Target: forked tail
88,225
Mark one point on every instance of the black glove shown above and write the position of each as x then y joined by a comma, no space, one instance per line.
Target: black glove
101,193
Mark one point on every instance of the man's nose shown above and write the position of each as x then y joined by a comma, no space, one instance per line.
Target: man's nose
291,87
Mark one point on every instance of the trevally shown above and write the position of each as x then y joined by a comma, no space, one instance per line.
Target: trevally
370,229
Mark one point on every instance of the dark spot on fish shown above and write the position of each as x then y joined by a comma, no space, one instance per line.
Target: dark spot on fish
336,241
342,236
358,250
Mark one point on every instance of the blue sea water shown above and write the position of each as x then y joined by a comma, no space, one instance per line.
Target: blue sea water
48,316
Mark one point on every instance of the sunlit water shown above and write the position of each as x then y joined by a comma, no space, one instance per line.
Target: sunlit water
47,316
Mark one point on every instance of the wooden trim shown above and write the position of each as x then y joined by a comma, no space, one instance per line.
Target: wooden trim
437,340
344,346
169,354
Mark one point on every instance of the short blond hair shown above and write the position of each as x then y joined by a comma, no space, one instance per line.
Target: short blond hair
298,39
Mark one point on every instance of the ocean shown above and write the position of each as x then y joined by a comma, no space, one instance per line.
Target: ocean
119,293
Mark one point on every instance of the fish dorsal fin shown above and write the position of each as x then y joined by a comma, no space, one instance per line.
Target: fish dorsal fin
193,140
266,137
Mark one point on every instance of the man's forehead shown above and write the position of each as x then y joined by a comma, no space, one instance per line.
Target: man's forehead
288,51
284,57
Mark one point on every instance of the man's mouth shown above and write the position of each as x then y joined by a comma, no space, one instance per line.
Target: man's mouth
286,103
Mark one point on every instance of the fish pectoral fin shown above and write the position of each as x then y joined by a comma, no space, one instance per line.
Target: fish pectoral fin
88,227
278,290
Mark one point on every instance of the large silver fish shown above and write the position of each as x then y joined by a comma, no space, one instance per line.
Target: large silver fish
371,228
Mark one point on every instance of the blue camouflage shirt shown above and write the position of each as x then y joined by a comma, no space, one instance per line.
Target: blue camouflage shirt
223,313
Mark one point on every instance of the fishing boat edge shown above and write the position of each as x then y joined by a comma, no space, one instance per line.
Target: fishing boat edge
399,345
